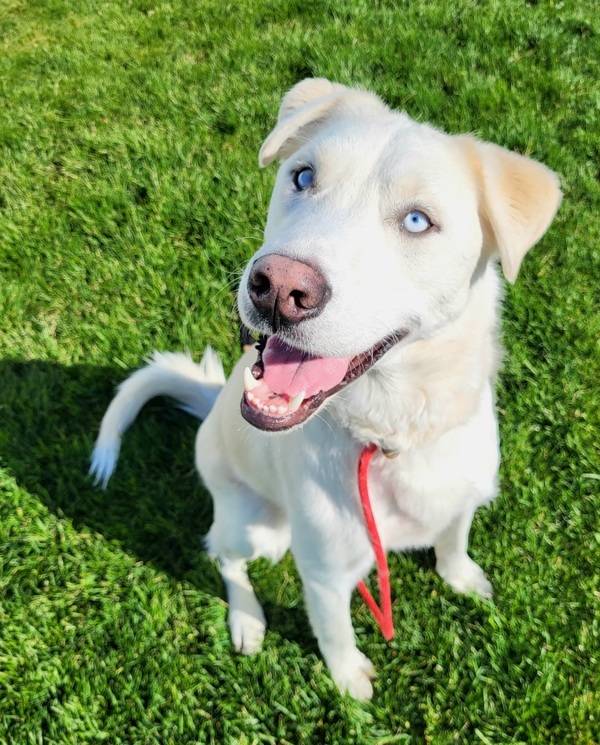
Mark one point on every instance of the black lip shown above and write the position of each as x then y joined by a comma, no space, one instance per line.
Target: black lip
358,366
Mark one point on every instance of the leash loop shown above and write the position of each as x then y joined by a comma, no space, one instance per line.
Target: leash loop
382,615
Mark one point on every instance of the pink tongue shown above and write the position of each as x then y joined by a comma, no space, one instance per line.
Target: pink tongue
289,371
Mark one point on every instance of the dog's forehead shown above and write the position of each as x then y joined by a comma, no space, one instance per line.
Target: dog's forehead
386,154
363,138
387,146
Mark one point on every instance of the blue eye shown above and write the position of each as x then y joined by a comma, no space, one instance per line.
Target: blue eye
303,178
416,222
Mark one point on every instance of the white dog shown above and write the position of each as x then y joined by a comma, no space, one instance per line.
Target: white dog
377,308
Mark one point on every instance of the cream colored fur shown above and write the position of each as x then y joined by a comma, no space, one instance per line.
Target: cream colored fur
431,396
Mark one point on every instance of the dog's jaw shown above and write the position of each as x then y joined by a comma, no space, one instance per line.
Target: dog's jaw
276,412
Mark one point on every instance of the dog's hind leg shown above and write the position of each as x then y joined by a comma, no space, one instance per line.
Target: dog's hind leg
454,564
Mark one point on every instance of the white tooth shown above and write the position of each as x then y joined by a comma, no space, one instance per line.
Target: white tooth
250,397
282,409
295,402
273,409
250,382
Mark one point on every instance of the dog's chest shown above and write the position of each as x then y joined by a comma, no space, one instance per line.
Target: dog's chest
413,501
416,495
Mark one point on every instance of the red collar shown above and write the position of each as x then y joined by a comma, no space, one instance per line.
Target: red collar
383,615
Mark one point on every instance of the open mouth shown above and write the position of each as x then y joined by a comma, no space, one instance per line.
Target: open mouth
286,386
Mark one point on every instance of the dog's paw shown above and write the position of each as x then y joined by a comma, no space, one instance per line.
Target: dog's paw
354,676
247,629
465,576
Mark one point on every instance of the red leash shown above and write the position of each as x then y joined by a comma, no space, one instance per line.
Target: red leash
383,615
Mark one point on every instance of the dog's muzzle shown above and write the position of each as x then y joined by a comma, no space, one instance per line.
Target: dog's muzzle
286,386
285,291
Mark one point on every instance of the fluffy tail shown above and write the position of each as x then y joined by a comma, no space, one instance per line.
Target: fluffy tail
196,387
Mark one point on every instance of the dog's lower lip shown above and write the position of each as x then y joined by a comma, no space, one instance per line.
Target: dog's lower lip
359,364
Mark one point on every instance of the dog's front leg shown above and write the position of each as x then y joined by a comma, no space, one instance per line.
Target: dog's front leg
328,605
246,619
330,546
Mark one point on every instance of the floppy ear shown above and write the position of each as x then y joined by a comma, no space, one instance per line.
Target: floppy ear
303,108
306,91
518,199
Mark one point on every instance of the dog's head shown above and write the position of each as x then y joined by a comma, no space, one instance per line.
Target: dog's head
377,229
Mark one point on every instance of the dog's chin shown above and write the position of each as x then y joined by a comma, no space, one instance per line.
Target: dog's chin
272,423
266,415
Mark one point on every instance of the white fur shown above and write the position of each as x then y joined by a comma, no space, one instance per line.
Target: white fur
168,374
430,398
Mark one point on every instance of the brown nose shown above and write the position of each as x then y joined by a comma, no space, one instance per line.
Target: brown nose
285,291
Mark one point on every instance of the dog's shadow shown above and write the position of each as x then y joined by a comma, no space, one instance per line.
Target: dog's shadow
154,506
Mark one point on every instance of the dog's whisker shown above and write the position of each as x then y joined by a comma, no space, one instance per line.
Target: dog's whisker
325,421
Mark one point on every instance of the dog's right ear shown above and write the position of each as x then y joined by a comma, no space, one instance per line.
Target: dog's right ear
303,108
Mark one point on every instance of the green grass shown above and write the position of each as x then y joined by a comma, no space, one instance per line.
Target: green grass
129,198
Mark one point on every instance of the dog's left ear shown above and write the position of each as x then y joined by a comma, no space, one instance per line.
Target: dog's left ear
518,199
304,107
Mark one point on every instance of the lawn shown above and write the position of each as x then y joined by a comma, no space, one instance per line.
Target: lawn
130,196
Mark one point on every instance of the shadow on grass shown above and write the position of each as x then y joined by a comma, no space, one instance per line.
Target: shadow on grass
154,506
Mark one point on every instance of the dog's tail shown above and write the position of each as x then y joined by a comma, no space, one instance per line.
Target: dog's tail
176,375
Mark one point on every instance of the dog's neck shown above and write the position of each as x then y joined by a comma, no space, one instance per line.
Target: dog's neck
421,390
